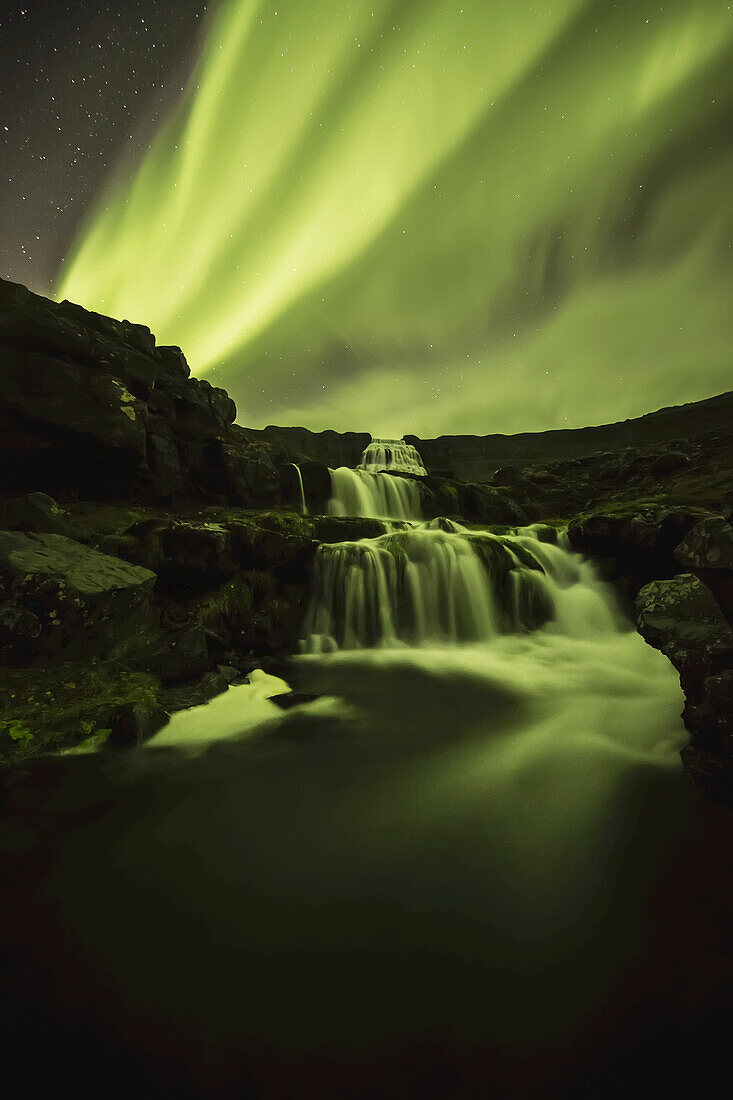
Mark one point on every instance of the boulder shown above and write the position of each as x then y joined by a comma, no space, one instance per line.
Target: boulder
638,545
83,600
681,617
708,551
36,512
708,545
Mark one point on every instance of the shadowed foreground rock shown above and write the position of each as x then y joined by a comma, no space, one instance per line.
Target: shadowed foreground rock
681,617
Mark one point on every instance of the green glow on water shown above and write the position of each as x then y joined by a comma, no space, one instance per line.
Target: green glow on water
436,217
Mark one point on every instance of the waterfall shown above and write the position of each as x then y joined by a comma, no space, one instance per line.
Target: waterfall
392,454
442,584
359,493
303,505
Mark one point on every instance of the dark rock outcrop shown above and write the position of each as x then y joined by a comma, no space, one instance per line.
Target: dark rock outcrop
64,597
92,408
477,457
635,546
708,551
681,617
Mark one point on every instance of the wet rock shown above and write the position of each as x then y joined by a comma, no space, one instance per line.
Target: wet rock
133,723
290,699
194,692
316,485
346,529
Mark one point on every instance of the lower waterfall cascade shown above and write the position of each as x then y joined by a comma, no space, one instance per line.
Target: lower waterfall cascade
438,583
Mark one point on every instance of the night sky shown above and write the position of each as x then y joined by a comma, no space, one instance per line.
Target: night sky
401,216
82,89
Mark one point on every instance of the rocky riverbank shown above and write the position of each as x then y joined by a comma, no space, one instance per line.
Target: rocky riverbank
152,551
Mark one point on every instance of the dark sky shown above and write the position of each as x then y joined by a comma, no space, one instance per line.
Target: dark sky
81,84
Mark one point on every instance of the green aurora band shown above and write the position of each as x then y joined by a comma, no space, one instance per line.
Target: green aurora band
420,216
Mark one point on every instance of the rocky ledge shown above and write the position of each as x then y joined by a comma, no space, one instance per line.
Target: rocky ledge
152,550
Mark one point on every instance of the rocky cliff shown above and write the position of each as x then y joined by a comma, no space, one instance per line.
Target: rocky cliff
476,457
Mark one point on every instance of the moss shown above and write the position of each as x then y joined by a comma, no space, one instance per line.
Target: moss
64,706
229,606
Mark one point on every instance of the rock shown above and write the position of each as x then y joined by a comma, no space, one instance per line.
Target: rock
20,631
316,485
179,654
201,410
133,723
665,463
196,553
681,617
36,512
84,600
290,699
193,693
347,529
638,545
727,506
90,405
250,473
709,545
708,551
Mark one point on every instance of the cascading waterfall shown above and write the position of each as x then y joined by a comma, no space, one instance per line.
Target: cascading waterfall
392,454
442,584
373,490
384,496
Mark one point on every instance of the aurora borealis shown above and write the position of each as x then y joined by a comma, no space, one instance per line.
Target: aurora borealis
430,217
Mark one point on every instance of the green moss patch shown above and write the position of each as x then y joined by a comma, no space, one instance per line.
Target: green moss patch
65,706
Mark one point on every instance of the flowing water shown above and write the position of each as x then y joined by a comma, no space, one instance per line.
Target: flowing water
301,488
385,496
392,454
456,872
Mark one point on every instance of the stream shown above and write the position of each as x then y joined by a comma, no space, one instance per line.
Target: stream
470,866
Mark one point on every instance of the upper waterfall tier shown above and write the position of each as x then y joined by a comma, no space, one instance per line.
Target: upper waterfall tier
383,496
392,455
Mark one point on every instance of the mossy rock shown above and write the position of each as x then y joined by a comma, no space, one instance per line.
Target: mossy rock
66,706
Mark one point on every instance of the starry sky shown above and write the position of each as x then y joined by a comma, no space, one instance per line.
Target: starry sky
83,87
398,216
